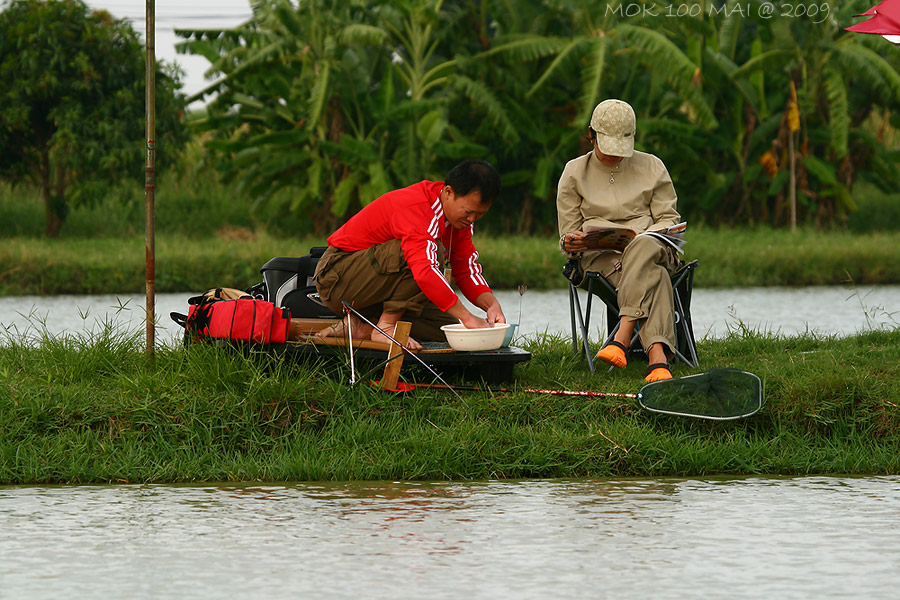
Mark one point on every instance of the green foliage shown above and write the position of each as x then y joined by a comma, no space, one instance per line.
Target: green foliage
72,108
324,105
877,210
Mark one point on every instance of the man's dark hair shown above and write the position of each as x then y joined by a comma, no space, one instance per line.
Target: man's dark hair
472,175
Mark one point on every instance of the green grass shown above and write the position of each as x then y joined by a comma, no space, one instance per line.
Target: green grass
206,237
187,264
95,409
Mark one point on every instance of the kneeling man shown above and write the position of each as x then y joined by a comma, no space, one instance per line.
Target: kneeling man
388,261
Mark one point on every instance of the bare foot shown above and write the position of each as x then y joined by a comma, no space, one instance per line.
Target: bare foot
358,331
390,328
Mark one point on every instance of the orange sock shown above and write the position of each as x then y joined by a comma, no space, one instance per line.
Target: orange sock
613,354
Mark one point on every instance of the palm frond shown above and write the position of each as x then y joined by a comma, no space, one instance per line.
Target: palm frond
783,37
287,17
289,137
592,77
729,32
318,95
481,96
526,47
431,127
822,170
405,160
674,65
885,171
573,51
343,194
720,63
771,59
406,110
360,33
869,68
762,136
838,111
437,75
349,150
208,49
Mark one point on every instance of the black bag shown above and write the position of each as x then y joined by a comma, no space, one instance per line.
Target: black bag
289,283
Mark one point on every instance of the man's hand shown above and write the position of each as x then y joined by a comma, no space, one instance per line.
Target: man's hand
494,314
488,303
473,322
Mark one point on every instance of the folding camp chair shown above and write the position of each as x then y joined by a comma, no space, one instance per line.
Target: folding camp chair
597,284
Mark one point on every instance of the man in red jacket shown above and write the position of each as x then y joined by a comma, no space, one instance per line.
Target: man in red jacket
388,261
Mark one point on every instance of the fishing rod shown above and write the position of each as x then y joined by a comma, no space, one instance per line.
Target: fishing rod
409,387
719,395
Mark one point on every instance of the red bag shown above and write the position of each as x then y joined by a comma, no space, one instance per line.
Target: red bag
242,320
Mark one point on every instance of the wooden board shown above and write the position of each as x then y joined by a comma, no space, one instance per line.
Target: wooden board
492,366
367,344
306,326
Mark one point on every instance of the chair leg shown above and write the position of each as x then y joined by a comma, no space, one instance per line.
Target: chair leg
682,323
691,343
586,346
572,298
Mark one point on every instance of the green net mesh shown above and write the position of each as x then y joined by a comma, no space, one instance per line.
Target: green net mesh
718,394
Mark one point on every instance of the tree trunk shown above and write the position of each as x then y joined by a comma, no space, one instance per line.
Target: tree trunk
792,185
51,202
525,216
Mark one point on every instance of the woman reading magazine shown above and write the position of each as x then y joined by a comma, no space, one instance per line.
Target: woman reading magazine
614,187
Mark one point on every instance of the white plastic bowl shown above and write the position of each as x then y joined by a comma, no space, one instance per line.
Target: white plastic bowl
484,338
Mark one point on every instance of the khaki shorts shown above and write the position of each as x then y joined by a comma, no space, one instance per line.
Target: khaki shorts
375,281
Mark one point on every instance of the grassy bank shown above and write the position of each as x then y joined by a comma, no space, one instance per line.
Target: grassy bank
94,410
232,258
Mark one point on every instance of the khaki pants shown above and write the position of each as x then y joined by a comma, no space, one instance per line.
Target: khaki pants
641,277
376,281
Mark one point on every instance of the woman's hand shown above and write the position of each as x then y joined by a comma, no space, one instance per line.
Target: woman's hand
574,242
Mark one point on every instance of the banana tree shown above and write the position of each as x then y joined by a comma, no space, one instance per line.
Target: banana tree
290,117
567,56
840,79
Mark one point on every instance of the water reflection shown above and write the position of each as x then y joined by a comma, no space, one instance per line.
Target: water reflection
828,537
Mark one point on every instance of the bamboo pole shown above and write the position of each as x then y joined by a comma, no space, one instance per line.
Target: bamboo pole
793,127
150,175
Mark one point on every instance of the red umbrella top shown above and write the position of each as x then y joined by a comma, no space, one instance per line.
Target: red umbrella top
884,21
889,7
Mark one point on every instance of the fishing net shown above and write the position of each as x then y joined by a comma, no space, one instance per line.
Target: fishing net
720,394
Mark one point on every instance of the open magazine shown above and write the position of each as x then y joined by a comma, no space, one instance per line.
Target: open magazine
617,238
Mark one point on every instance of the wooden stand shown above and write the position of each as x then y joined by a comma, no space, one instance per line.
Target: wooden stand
306,329
395,356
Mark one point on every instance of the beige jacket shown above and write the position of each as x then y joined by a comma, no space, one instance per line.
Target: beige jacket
636,194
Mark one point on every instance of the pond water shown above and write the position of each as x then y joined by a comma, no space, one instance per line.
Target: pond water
715,312
812,537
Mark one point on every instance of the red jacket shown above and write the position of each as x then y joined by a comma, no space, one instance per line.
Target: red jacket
414,216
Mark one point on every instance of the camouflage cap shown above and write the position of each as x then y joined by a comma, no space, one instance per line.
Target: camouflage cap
614,123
